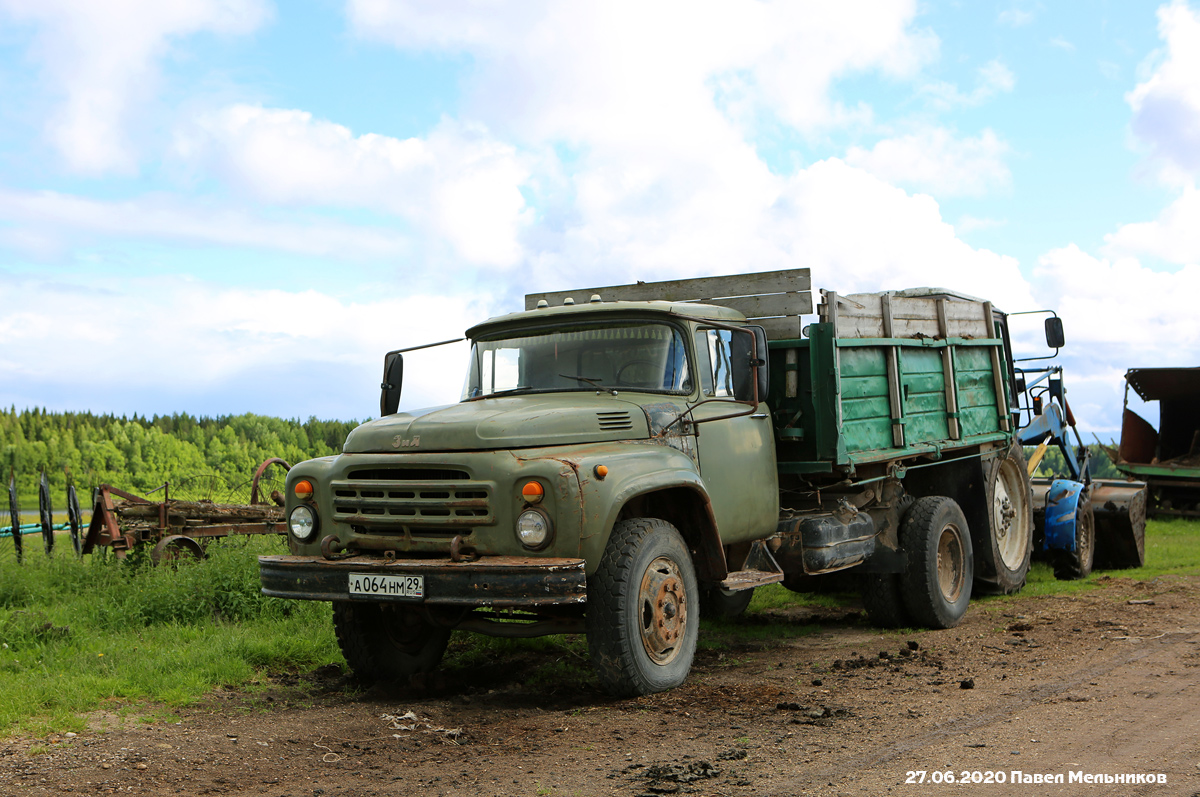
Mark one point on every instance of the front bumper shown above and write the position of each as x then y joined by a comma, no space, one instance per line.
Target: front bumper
498,581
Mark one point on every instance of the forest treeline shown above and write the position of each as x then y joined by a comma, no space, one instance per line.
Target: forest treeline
202,457
199,455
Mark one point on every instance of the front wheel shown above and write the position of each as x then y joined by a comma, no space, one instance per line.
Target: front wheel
936,584
724,604
642,612
1077,563
382,642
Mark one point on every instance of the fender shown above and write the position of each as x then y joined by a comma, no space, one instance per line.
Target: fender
641,471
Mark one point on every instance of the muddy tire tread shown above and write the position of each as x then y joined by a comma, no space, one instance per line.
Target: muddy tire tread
919,583
610,589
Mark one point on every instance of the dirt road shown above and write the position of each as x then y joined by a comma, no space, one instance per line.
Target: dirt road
1103,684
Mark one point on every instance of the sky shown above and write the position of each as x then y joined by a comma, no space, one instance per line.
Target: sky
228,206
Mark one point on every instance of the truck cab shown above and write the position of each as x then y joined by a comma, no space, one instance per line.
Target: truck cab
606,461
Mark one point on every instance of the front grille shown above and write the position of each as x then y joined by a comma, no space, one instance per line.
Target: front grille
410,474
393,504
614,421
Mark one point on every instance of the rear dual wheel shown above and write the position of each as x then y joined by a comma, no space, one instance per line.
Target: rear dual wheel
935,587
936,584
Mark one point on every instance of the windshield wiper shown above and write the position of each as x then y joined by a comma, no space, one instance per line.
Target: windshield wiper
593,382
495,393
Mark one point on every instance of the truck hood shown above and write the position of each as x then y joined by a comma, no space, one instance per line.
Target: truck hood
507,422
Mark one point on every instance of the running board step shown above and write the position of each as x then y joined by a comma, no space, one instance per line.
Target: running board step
760,569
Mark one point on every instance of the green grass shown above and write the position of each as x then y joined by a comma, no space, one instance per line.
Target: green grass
81,635
1172,548
142,641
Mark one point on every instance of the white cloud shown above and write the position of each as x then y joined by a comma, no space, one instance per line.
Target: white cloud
992,78
46,223
1015,17
1062,44
1166,106
459,182
969,223
100,59
855,231
933,159
860,234
224,350
624,71
1117,314
1174,236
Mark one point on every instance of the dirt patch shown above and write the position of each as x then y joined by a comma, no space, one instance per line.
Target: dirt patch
1103,683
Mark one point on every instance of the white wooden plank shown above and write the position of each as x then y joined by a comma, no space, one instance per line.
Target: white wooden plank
687,290
775,304
786,328
860,316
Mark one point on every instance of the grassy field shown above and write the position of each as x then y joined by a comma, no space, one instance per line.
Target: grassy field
81,635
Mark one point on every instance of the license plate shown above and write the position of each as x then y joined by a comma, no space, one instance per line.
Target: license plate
387,586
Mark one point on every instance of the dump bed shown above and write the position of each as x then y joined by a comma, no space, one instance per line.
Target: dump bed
887,376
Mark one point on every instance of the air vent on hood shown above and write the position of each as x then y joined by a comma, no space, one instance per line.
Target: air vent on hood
615,421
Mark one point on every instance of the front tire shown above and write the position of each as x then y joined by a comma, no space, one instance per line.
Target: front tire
385,642
642,614
1070,565
936,584
724,604
1002,558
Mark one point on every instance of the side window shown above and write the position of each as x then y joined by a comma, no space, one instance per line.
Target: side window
716,375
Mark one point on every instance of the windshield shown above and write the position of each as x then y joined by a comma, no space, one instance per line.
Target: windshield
630,356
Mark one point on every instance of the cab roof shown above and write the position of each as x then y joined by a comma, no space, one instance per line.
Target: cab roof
581,311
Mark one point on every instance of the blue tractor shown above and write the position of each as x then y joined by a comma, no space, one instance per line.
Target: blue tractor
1079,522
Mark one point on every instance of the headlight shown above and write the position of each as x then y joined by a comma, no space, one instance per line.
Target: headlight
534,529
303,522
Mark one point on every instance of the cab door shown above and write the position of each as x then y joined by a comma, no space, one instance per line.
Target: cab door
736,455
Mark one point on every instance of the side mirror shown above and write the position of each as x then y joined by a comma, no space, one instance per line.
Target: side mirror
393,378
1054,332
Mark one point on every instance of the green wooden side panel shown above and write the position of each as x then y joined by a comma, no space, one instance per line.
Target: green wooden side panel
842,413
924,386
866,415
976,390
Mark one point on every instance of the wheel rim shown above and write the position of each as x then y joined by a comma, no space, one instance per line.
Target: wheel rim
1010,516
662,610
951,570
1085,534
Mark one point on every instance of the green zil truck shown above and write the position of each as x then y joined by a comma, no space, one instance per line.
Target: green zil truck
625,458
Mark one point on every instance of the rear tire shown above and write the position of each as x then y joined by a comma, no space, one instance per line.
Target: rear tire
385,642
883,600
936,584
1002,560
1076,564
642,614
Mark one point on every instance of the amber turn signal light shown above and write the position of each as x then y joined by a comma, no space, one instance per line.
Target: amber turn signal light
601,471
303,489
532,492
